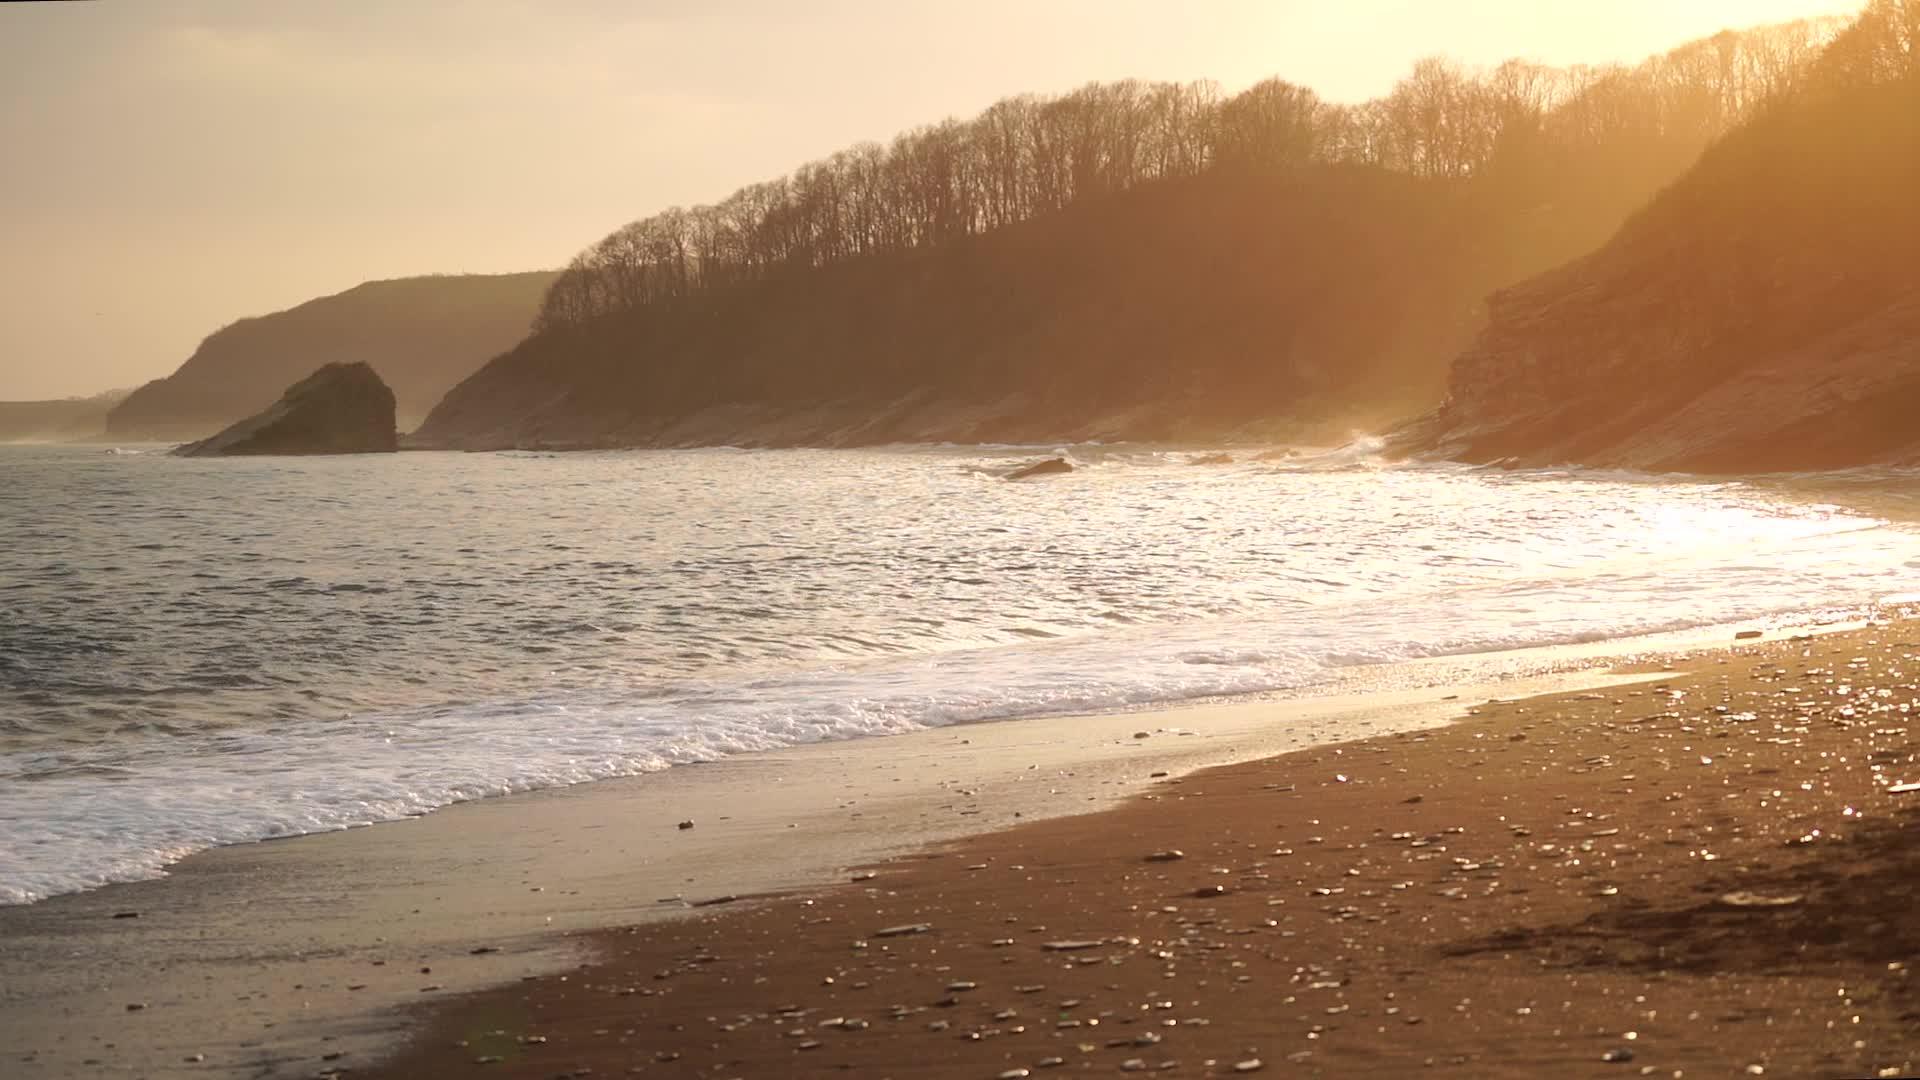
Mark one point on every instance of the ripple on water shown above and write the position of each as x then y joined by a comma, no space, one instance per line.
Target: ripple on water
197,651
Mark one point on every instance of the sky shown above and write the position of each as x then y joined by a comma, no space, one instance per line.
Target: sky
173,165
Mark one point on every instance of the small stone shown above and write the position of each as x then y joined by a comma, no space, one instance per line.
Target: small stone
1249,1065
126,914
1744,899
1143,734
1169,855
1015,1074
1746,635
686,825
903,931
1070,946
1617,1055
136,1006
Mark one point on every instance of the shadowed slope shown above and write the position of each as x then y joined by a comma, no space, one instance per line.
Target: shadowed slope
421,334
1219,305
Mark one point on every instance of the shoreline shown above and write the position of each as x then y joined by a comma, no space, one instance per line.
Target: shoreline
1707,872
317,944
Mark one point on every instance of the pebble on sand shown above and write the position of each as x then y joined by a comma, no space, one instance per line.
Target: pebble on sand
902,931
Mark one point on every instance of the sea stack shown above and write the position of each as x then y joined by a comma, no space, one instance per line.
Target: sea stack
339,409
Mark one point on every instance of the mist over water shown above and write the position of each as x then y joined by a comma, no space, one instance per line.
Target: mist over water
195,652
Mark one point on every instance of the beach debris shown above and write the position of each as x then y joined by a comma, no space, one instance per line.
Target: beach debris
686,824
956,987
1210,890
1015,1074
1169,855
1617,1056
1249,1065
482,950
903,931
714,901
864,875
1743,899
1747,635
1051,1062
1897,789
1070,945
126,914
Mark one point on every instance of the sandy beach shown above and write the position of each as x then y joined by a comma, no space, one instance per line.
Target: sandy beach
1706,874
1359,880
277,958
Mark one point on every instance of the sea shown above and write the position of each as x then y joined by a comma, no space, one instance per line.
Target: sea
197,652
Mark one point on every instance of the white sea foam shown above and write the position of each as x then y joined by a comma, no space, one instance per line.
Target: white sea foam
779,599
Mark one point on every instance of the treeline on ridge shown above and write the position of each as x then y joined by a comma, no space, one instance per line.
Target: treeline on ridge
1519,129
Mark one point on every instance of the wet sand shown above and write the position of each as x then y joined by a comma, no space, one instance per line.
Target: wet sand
288,957
1709,874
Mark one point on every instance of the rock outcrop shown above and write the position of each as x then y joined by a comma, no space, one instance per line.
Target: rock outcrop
1044,467
339,409
1762,314
422,334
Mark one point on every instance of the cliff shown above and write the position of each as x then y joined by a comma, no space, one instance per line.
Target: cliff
422,335
339,409
1761,314
62,420
1217,306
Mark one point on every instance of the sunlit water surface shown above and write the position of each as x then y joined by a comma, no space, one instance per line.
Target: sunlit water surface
196,652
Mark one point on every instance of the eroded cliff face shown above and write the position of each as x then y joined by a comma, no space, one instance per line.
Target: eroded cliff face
1761,314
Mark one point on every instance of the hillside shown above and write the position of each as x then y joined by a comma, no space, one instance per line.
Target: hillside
61,420
1214,306
421,334
1761,314
1141,261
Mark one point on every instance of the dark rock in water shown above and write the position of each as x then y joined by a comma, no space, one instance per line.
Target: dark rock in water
1041,468
339,409
1747,635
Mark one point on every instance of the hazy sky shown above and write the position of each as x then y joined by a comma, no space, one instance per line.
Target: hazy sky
172,165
